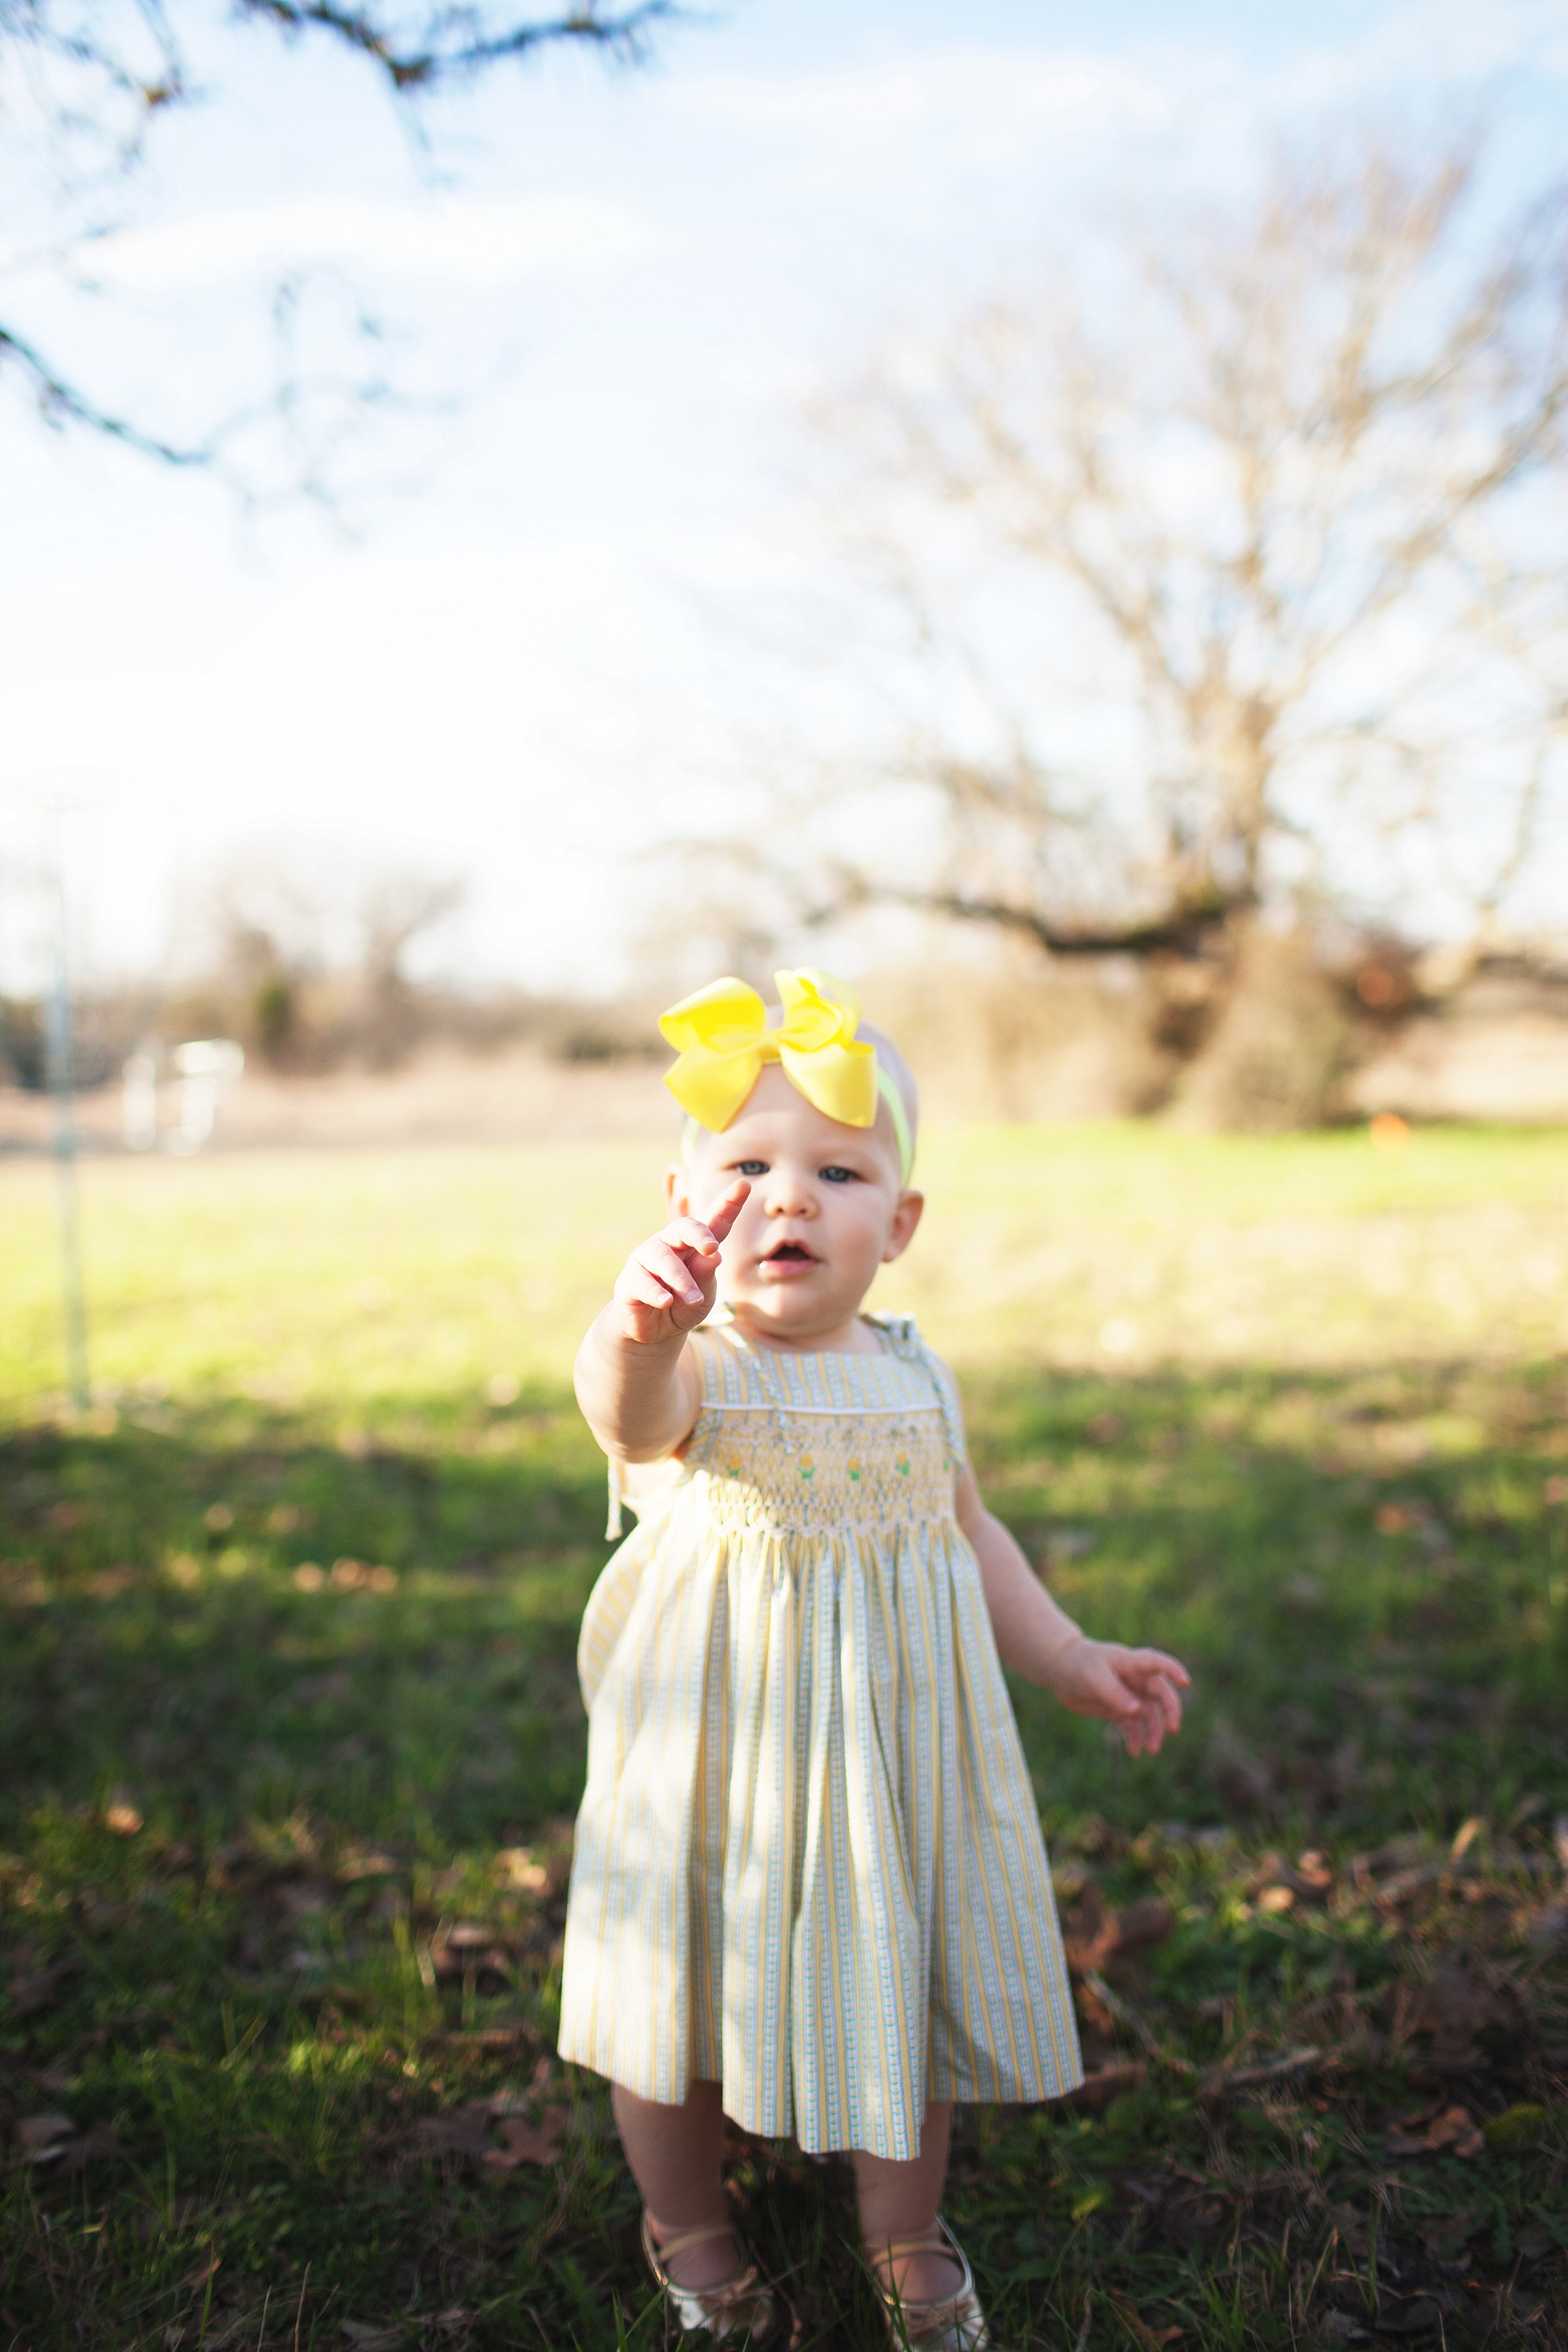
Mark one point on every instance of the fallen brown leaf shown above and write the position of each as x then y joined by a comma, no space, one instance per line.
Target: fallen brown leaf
529,2143
462,2132
1089,1930
496,2037
1094,1937
1314,1876
1452,2132
1151,2338
28,1991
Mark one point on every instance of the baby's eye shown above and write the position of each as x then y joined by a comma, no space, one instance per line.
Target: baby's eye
839,1175
750,1166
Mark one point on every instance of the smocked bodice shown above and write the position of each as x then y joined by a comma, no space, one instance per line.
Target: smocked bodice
813,1444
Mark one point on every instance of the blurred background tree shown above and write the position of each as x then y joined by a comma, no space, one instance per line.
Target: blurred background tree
1210,582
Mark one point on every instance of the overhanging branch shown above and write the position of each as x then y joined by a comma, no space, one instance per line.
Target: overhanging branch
1184,932
452,45
61,404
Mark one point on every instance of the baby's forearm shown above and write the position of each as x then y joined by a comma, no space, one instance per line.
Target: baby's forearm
1032,1632
637,1395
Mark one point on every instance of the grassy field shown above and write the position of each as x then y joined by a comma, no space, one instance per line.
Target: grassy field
290,1741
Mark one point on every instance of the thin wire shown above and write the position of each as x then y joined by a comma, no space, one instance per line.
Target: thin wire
62,1085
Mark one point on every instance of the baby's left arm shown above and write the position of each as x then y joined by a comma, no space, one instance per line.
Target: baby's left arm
1137,1690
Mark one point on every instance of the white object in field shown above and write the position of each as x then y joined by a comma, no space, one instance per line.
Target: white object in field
139,1105
209,1068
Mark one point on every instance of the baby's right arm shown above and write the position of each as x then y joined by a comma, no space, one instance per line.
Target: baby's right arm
639,1390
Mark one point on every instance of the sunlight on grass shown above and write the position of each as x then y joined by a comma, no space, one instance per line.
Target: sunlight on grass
290,1741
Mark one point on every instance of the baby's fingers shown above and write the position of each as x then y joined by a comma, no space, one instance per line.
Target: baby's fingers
1144,1663
1159,1681
668,1266
685,1233
1159,1714
655,1276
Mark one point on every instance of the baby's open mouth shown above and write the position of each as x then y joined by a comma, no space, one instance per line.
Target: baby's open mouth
789,1254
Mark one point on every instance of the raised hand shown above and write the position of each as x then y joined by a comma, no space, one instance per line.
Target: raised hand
669,1283
1137,1690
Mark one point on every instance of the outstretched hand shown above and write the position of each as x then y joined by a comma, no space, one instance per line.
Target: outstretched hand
669,1284
1137,1690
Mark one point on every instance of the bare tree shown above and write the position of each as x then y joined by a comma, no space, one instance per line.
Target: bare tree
92,82
308,962
1222,573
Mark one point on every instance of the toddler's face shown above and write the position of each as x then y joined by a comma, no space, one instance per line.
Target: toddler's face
826,1208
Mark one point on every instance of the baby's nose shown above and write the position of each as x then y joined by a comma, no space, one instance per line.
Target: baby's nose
789,1195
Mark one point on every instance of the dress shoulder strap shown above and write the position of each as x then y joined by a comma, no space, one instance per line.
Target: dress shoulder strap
902,1335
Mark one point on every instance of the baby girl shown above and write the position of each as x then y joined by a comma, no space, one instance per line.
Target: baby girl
809,1891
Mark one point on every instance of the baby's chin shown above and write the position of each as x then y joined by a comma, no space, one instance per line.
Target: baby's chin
802,1299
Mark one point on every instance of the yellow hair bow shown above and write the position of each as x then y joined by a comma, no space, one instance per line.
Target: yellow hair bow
723,1040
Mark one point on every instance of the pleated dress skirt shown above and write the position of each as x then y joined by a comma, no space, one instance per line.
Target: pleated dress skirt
808,1862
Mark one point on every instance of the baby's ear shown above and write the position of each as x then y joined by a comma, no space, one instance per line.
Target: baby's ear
906,1217
677,1190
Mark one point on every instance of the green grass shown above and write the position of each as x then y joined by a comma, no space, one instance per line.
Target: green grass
1295,1410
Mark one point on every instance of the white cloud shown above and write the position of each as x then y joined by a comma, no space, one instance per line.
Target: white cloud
1003,108
998,91
447,239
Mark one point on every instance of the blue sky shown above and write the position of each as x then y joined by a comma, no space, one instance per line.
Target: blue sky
522,665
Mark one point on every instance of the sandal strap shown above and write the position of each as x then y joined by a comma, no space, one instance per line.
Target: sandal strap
937,2239
687,2238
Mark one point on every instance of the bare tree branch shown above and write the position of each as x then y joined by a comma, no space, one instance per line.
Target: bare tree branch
101,77
62,403
452,43
1240,515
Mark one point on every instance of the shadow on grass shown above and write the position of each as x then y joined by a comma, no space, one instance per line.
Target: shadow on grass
287,1736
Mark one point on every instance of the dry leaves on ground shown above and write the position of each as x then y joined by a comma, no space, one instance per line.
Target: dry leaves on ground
55,2139
1097,1939
1445,2131
31,1989
465,2135
529,2143
1450,2011
1152,2339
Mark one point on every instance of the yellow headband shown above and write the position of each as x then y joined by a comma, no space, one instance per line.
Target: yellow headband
723,1038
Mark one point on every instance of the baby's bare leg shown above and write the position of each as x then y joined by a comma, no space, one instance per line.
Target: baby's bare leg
899,2200
676,2156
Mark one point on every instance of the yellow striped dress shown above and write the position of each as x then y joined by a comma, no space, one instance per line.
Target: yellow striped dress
808,1861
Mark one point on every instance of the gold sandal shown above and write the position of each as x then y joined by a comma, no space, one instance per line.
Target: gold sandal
740,2306
945,2323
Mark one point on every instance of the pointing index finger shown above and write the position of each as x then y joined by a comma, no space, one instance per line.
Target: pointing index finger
721,1218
